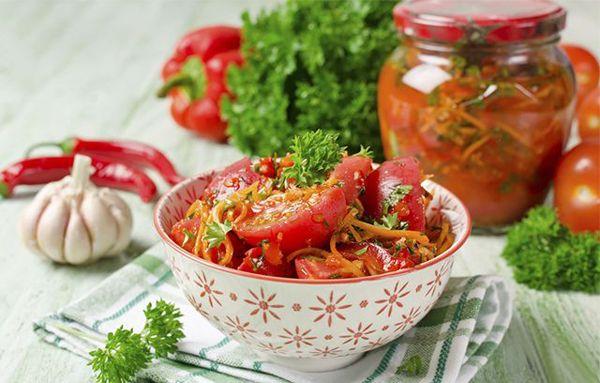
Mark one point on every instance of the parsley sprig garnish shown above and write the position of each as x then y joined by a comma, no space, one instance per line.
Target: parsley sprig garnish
127,352
314,155
396,196
216,232
546,255
391,222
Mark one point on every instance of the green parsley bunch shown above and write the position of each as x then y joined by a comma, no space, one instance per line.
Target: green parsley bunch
309,65
545,255
126,352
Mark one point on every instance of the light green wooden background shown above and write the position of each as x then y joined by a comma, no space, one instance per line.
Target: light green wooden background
91,69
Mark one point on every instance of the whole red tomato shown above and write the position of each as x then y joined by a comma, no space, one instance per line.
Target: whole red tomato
588,116
577,187
587,69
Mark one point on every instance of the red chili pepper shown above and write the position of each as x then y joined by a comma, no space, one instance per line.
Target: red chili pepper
204,43
41,170
195,78
129,152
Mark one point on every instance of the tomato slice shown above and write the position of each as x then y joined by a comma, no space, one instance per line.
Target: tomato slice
351,172
588,116
236,176
376,258
256,262
383,181
184,233
316,268
577,188
295,223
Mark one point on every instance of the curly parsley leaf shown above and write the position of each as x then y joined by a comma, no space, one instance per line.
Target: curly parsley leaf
310,64
396,196
126,352
391,222
545,255
216,232
163,328
314,154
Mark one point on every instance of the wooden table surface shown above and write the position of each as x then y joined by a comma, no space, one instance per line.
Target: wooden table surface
91,69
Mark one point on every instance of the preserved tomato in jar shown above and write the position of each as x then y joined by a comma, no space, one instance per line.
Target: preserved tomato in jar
481,94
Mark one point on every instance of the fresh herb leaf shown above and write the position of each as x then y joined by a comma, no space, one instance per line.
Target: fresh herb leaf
126,352
362,251
163,328
396,196
310,64
216,232
257,263
458,63
545,255
411,367
473,70
433,98
187,237
391,222
507,185
314,155
365,151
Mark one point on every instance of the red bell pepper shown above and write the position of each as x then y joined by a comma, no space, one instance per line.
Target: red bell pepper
195,78
204,43
42,170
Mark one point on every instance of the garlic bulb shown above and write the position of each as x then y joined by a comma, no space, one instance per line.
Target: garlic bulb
72,221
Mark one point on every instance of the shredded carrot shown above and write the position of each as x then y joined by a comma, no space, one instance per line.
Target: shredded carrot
308,251
473,147
513,133
348,266
355,234
228,252
472,120
386,233
191,211
242,214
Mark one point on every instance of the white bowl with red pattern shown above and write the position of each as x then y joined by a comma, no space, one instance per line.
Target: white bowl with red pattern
309,325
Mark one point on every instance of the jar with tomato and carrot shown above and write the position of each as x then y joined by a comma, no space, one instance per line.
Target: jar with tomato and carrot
481,94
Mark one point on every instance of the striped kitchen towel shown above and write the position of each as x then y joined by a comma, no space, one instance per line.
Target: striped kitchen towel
450,344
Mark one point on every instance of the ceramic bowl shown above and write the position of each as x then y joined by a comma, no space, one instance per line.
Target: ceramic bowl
309,325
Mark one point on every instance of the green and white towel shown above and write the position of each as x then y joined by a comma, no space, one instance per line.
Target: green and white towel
450,344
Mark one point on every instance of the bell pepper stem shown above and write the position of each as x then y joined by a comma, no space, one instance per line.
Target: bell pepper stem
80,174
4,190
180,80
66,147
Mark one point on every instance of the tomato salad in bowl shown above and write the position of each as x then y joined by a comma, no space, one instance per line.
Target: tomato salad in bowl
316,213
313,258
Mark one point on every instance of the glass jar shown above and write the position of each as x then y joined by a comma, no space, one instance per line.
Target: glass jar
482,95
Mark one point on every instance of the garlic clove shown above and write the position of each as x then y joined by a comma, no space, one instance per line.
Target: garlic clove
122,215
51,229
101,225
78,243
28,223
